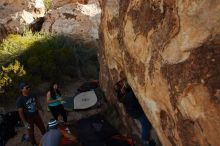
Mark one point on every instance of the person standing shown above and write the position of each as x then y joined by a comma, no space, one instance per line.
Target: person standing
54,102
28,107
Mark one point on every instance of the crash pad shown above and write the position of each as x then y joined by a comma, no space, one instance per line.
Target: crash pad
81,101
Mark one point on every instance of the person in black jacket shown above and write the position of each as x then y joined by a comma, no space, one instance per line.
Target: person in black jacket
126,95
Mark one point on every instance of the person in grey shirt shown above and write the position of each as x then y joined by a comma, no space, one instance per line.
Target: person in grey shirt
53,136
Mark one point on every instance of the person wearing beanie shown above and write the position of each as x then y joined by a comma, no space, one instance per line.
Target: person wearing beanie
53,136
28,106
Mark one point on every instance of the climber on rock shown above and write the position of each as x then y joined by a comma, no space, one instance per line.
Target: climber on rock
134,109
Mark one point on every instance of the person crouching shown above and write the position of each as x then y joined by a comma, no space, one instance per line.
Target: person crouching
53,136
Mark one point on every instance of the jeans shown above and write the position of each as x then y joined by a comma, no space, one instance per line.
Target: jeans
57,110
36,119
146,127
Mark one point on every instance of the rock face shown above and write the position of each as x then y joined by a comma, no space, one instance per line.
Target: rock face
77,20
8,22
169,51
10,9
60,3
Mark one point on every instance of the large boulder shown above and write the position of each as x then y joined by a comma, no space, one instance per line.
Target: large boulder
169,51
15,14
80,21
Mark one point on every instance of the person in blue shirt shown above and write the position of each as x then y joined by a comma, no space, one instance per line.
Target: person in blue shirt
54,102
28,109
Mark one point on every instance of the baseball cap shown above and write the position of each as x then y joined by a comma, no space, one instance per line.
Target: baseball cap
22,85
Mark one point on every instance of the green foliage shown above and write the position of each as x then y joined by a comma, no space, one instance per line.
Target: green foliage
11,73
15,45
47,57
48,4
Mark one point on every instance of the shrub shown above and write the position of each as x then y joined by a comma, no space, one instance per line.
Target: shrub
47,57
14,45
10,74
48,4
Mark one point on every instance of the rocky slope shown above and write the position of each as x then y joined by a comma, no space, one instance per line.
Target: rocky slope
15,14
76,18
169,51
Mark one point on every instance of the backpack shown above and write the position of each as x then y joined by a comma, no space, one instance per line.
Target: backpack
94,131
87,86
8,123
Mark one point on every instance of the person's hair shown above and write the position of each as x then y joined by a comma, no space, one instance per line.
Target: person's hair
53,92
